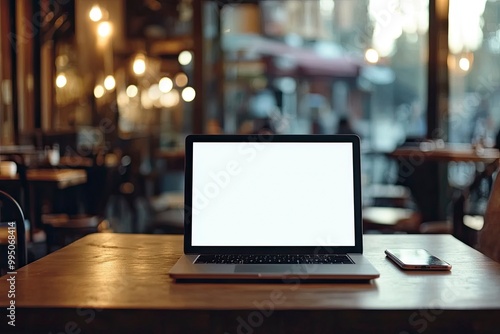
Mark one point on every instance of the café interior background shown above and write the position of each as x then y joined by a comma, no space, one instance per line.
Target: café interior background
388,70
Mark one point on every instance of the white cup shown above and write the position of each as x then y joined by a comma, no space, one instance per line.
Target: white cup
52,154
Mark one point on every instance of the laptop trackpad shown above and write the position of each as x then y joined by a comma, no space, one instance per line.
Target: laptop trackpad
270,268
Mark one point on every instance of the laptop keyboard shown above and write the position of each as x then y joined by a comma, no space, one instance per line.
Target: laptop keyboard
275,259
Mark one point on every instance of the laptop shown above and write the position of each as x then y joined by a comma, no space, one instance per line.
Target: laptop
276,207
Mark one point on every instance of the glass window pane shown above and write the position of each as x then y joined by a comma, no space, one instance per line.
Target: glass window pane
303,66
474,42
322,66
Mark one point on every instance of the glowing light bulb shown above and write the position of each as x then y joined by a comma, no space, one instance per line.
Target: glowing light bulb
104,29
139,66
181,80
464,64
185,57
99,91
95,13
132,91
109,82
61,80
371,56
188,94
166,85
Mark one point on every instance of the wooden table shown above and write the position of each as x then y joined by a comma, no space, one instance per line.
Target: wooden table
448,153
76,162
434,199
18,149
119,283
42,183
61,178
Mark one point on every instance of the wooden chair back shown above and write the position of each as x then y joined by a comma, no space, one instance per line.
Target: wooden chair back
468,202
489,236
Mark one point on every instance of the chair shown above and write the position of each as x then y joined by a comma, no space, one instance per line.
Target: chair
469,207
165,209
63,228
20,192
391,210
12,214
489,235
163,213
151,209
166,214
59,229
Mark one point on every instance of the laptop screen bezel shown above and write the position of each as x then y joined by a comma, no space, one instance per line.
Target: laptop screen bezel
261,138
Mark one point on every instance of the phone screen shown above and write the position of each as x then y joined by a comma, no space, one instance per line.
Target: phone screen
416,259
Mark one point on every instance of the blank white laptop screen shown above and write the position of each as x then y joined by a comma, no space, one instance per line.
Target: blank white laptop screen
273,194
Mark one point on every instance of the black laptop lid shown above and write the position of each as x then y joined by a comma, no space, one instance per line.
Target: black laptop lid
272,194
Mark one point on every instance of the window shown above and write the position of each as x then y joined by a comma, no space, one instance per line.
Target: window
322,66
474,42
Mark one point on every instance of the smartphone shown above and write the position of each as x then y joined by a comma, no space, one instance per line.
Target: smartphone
416,259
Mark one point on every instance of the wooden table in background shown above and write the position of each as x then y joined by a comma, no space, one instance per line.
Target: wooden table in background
119,283
42,183
61,178
76,162
448,154
436,201
18,149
